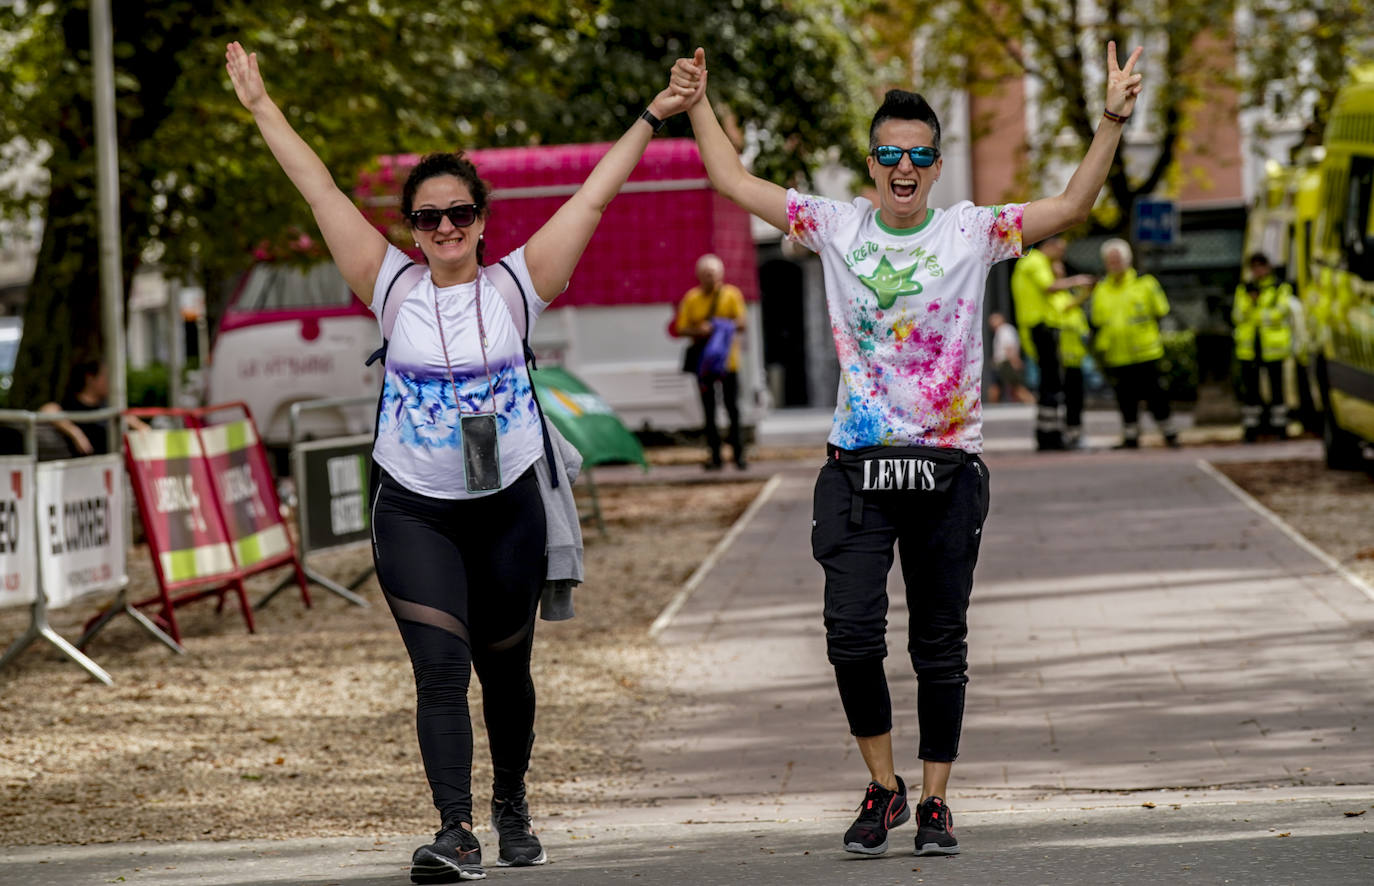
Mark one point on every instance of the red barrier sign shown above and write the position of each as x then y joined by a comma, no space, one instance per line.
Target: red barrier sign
18,531
209,508
176,501
247,495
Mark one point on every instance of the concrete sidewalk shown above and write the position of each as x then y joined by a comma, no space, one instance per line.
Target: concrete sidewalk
1134,628
1164,686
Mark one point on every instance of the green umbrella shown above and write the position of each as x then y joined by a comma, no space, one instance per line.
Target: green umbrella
585,419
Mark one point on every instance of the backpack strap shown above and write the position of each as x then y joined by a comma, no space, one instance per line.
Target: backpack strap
413,274
513,294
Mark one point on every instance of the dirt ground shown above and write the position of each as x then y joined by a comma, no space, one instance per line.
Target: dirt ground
1333,509
306,728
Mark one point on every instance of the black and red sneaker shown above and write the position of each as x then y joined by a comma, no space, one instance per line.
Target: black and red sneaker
454,855
880,811
935,828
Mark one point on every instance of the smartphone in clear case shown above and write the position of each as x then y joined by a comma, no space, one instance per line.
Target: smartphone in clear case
481,455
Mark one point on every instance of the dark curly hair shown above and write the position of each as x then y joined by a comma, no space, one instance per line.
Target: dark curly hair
899,104
460,167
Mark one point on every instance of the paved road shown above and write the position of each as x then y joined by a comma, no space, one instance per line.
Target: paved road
1139,636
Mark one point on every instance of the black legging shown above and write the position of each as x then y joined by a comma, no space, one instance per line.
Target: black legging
1049,427
1250,371
1073,396
1140,381
729,389
463,580
1046,341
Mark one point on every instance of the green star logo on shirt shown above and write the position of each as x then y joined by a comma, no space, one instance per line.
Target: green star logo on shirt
888,283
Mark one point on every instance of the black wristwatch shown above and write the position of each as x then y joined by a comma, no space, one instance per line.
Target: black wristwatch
648,117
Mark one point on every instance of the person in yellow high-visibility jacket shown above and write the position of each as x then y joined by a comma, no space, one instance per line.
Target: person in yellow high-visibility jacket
1072,323
1033,282
1126,309
1264,340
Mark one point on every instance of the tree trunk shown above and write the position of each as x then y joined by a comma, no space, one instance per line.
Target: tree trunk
62,310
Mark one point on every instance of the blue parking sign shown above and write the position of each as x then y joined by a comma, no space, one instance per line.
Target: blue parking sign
1156,221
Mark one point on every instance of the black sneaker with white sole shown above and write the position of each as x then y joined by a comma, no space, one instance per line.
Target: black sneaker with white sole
510,819
935,828
880,811
454,856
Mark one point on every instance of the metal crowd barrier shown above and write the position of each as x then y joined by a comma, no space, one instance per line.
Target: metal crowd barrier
331,495
24,470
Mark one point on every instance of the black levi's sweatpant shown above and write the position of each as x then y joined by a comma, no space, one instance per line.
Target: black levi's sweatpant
938,535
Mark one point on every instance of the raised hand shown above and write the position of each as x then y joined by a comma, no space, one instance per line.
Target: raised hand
1123,84
243,73
688,74
684,88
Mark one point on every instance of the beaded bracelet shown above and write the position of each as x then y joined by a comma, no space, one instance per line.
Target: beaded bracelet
1115,118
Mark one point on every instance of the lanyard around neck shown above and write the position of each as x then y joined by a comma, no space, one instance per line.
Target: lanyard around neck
482,341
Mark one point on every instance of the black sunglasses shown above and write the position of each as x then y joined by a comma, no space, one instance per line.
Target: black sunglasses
461,215
891,155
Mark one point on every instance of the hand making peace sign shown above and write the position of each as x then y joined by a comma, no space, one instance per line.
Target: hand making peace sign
1123,85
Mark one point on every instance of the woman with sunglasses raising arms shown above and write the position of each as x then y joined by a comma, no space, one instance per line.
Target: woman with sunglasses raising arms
459,532
904,285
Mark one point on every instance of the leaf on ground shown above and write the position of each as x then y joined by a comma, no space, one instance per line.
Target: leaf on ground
1284,834
1350,814
1148,805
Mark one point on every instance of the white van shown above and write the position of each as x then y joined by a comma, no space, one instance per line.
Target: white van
293,333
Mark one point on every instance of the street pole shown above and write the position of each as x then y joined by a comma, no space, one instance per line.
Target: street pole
107,193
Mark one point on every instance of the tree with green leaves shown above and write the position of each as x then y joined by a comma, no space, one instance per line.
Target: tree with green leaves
199,191
1193,54
1313,45
979,45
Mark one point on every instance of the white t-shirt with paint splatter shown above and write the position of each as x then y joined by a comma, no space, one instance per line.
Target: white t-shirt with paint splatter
419,436
906,312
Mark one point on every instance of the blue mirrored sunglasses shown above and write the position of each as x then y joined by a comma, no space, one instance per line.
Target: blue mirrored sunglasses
891,155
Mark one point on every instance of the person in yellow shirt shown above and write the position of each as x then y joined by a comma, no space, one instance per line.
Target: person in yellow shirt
1126,309
1264,340
715,310
1033,283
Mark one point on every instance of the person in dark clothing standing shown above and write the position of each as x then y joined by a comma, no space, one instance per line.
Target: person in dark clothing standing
89,390
65,438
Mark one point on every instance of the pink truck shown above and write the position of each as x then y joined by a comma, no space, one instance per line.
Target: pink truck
290,335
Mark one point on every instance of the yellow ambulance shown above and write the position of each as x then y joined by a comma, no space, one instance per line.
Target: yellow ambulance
1334,233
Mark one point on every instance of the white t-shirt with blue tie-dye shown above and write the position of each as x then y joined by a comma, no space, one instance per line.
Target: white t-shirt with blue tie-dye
906,313
419,440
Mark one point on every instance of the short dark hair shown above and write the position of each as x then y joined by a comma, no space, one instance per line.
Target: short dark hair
899,104
460,167
83,371
1259,258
